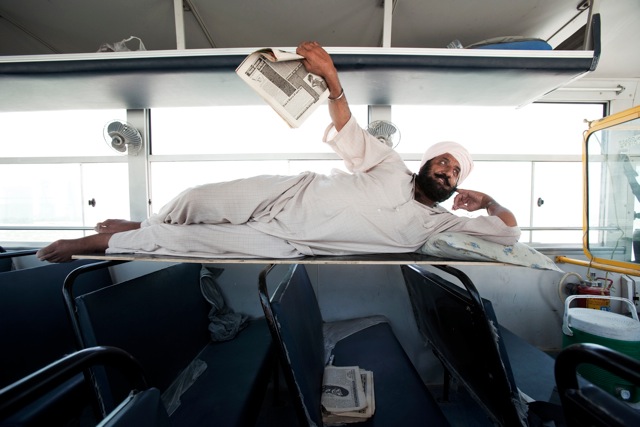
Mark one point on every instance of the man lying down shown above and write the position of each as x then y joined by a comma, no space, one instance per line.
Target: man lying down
380,207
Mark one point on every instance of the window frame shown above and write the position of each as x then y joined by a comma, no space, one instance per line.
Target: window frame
140,182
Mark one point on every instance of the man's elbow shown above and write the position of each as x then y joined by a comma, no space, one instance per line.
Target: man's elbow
510,238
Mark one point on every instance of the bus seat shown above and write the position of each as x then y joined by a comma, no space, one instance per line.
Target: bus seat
510,379
35,328
35,324
161,318
6,262
296,325
141,408
589,404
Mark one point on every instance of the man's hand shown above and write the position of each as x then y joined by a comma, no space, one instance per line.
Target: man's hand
470,200
318,61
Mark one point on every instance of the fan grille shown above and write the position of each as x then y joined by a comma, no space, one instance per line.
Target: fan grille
386,132
122,135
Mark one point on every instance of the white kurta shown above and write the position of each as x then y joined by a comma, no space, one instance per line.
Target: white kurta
369,210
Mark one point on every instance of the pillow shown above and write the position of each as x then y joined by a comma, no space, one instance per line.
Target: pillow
462,246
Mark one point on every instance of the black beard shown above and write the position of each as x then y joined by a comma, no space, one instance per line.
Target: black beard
431,187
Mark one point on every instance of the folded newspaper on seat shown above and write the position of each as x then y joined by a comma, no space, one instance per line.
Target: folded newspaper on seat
280,78
347,395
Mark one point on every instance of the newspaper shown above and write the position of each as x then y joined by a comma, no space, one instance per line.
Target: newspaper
347,395
282,81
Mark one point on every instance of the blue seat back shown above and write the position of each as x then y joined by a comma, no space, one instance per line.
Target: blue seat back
464,333
161,318
295,322
34,324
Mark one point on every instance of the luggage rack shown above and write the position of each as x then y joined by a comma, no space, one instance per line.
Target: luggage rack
373,75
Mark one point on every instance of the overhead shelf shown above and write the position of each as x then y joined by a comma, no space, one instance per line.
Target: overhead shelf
202,77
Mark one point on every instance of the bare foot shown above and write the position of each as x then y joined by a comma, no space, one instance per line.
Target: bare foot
111,226
63,250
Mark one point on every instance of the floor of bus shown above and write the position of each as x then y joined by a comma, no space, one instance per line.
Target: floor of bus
460,409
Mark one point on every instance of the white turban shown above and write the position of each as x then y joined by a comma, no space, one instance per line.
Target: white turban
456,150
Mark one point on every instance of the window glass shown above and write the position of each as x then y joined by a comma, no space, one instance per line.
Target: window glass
259,142
56,133
105,190
58,195
540,129
238,129
35,197
557,201
613,189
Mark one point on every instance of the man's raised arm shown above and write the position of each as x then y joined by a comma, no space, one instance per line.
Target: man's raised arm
318,61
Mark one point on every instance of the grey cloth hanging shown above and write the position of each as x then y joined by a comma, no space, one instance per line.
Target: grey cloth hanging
224,324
